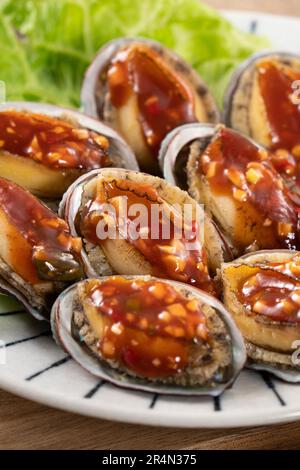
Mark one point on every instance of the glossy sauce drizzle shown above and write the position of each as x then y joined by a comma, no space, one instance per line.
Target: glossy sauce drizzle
274,293
52,142
275,82
181,257
236,168
33,231
164,99
149,327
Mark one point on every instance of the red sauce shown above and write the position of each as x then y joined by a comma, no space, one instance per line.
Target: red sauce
276,86
32,230
275,82
170,256
237,168
149,327
52,142
274,292
164,99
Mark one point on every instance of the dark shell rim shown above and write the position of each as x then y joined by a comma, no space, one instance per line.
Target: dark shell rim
173,138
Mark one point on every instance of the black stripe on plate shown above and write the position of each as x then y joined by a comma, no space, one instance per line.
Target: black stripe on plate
217,404
270,384
95,389
55,364
30,338
253,27
153,401
14,312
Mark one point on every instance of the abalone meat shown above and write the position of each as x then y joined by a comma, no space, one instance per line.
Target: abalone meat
263,102
237,183
44,148
149,334
262,293
134,223
38,256
144,91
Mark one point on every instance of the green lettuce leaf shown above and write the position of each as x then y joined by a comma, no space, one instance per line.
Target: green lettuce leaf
46,45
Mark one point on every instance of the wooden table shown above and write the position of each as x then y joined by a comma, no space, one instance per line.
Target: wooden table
27,425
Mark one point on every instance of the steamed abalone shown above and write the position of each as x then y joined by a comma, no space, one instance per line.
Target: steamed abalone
163,242
149,334
236,181
263,102
38,256
44,148
262,292
144,91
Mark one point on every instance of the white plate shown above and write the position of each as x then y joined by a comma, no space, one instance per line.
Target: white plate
37,369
